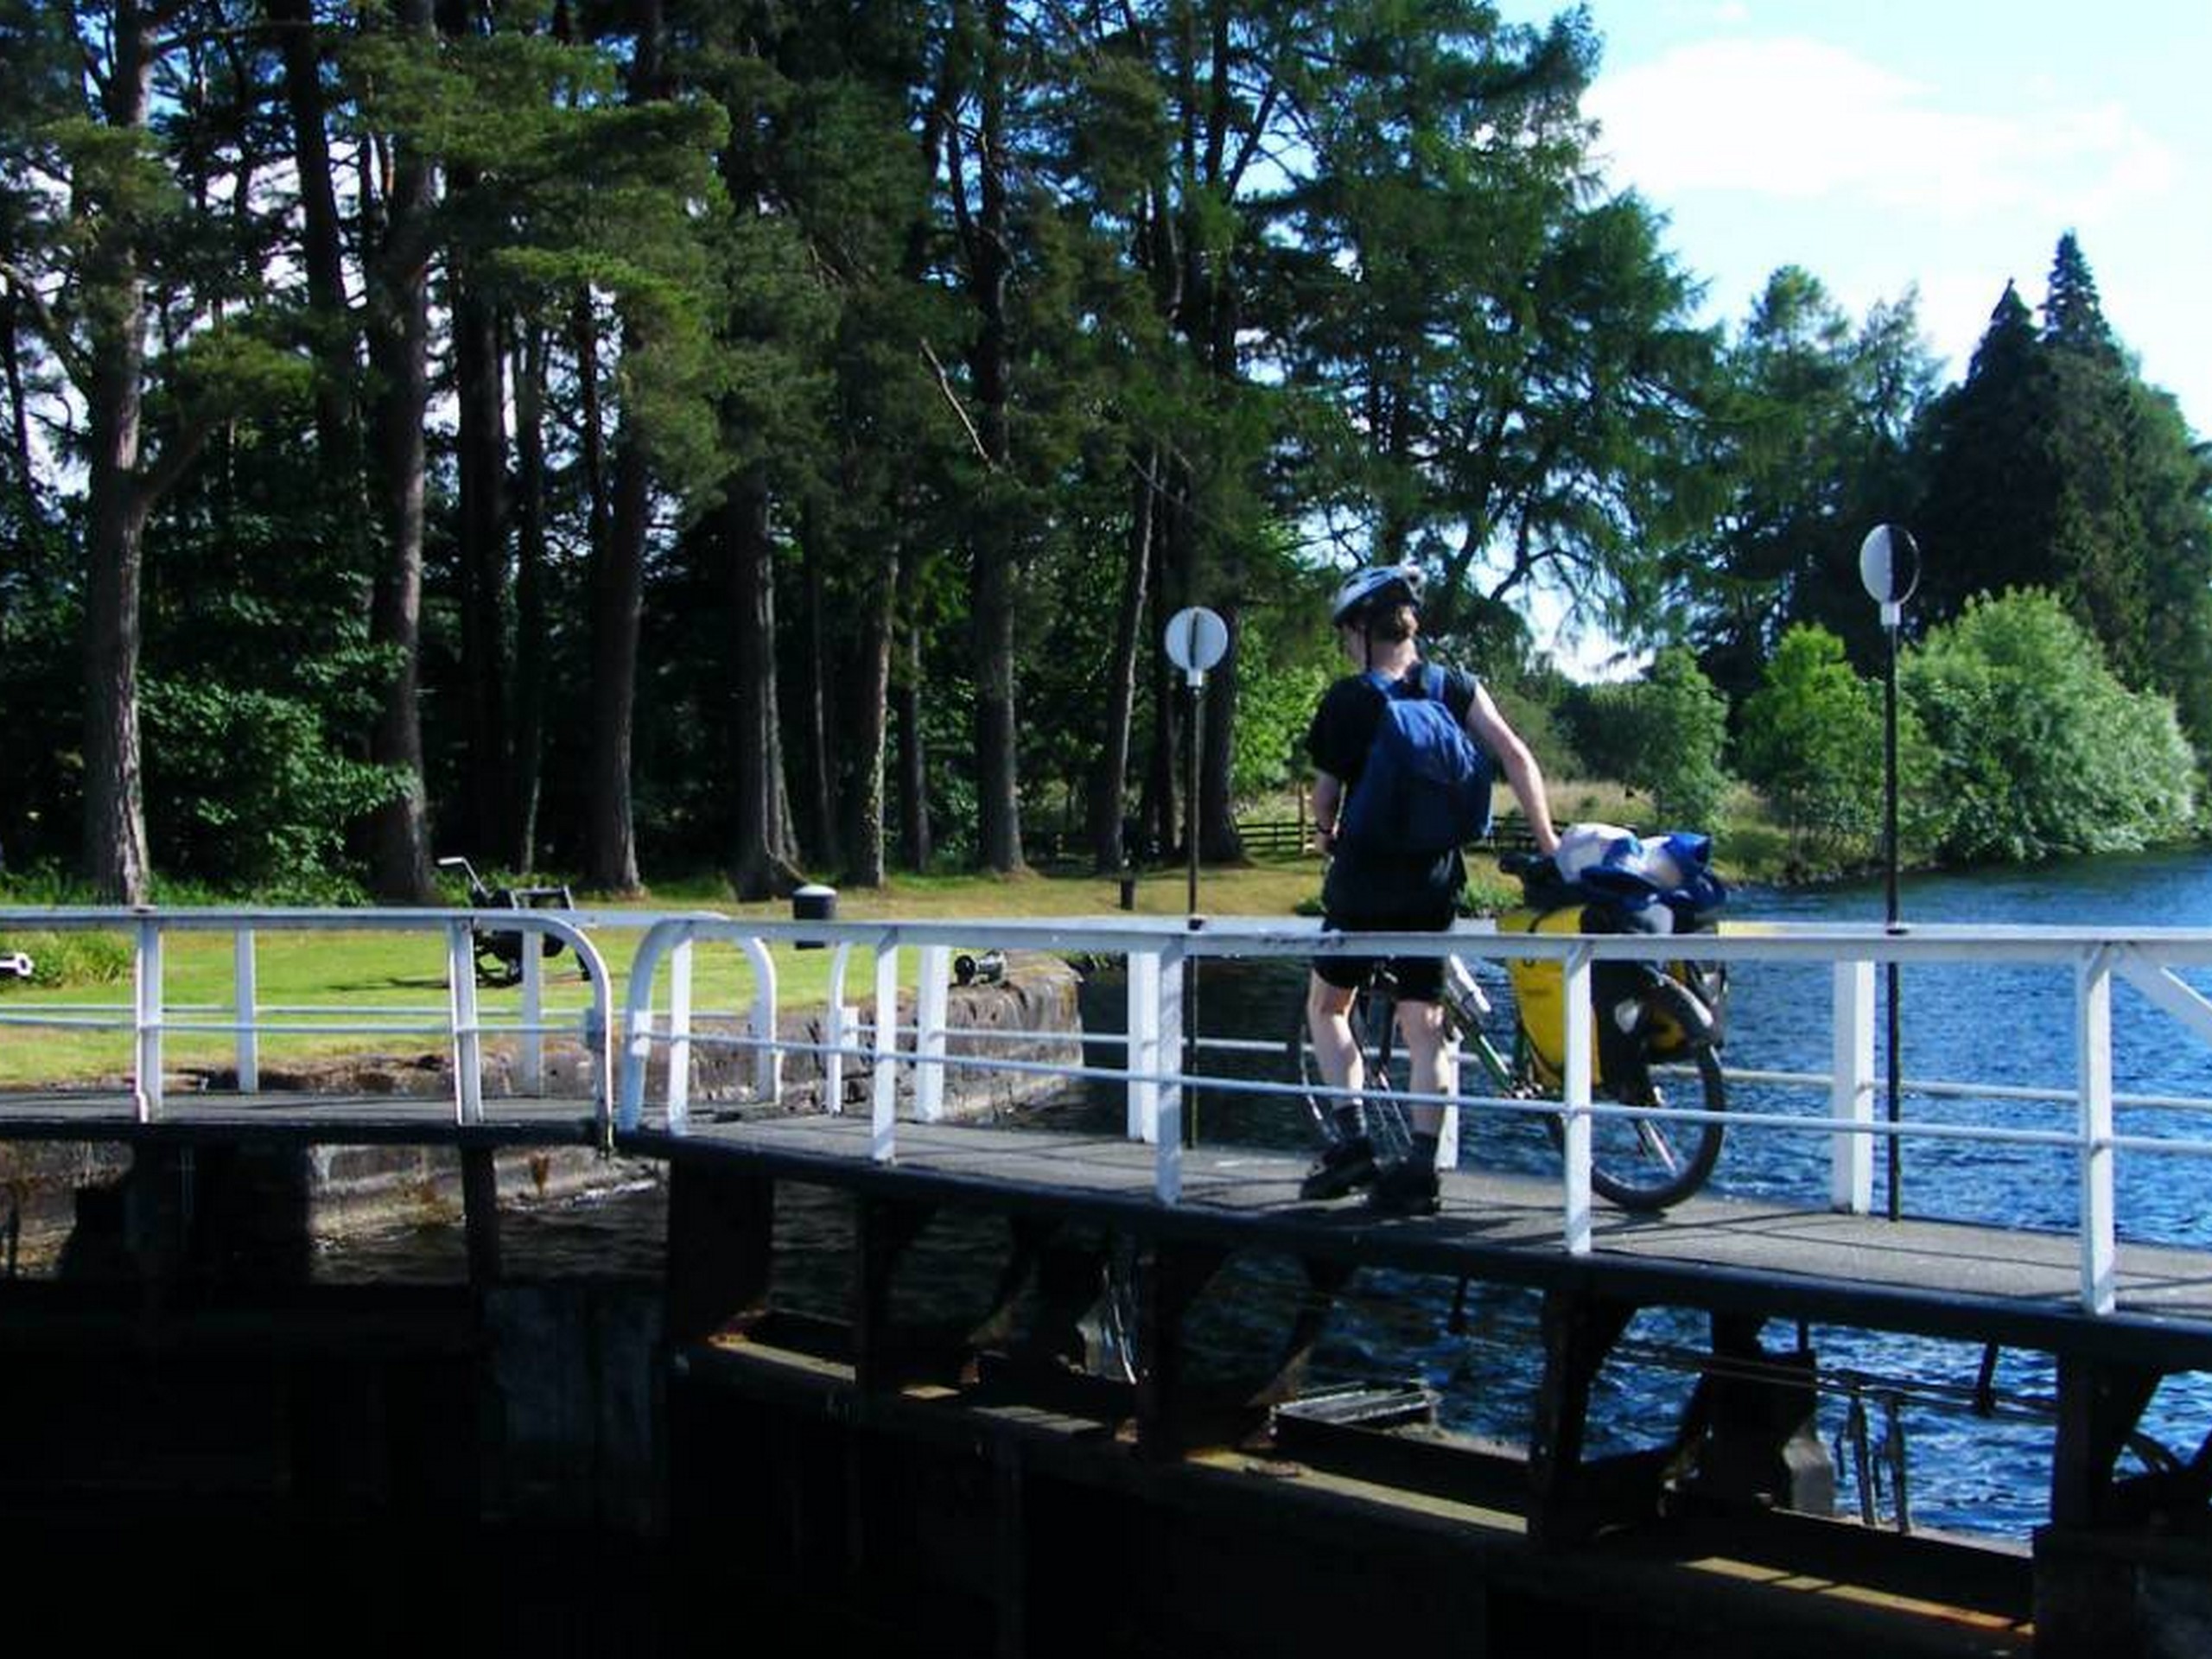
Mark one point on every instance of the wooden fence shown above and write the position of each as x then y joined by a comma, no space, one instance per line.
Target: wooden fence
1288,837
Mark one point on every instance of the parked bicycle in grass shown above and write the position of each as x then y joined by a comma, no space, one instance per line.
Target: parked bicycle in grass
498,951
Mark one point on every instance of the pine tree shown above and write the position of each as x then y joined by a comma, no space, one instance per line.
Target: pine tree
2054,468
1989,519
2073,316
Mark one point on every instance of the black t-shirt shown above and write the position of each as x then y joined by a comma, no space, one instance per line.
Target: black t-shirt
1365,888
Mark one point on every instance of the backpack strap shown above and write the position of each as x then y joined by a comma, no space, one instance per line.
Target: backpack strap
1428,684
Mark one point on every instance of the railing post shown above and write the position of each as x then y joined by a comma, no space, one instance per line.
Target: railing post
1447,1127
1141,1053
931,1006
146,1011
638,1026
602,1068
245,1009
1167,1057
884,1046
2093,1023
767,1056
467,1043
679,1036
637,1057
1851,1091
1575,1097
529,1058
841,1028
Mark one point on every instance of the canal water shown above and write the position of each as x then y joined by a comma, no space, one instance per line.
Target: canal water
1906,1423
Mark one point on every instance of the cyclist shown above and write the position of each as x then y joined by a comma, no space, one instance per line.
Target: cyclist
1371,887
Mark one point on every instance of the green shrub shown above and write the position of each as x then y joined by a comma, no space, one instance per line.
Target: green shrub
2040,749
1813,742
246,786
72,958
1662,734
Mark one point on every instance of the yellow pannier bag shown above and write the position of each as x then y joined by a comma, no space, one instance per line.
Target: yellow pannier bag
1540,989
1539,992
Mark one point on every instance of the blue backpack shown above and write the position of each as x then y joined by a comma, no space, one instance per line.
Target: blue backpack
1425,786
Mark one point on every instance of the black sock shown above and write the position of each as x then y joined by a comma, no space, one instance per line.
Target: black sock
1350,1122
1422,1153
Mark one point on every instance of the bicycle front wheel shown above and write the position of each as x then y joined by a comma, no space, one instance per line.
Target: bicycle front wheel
1646,1164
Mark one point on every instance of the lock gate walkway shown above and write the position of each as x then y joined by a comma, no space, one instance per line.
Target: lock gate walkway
2119,1316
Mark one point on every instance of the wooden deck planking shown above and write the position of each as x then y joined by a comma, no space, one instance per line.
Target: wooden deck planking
297,1118
1939,1278
1942,1277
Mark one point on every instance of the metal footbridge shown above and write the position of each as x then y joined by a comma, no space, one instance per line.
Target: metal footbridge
702,1067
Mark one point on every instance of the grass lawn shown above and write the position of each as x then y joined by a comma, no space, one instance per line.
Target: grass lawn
360,973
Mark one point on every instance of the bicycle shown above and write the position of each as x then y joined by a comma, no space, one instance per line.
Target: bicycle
498,951
1669,1015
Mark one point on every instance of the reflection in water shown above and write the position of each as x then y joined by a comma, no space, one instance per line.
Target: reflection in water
2008,1025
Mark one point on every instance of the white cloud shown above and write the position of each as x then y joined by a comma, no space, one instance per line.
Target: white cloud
1798,119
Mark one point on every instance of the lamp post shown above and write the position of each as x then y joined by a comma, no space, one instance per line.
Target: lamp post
1889,565
1197,639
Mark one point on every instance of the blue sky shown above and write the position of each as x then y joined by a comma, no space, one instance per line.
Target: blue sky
1883,144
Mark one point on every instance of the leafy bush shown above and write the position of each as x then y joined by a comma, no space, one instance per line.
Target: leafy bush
61,959
1813,742
2040,749
1534,720
245,787
1662,734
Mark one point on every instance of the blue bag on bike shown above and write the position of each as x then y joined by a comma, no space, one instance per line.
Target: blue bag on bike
1427,785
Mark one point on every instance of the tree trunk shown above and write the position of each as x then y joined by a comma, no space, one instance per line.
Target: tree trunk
1218,842
915,846
321,249
617,577
19,414
998,808
819,836
487,768
760,862
1110,778
617,584
1175,581
520,841
116,857
399,355
866,727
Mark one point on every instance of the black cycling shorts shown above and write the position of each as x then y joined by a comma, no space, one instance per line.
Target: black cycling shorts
1418,979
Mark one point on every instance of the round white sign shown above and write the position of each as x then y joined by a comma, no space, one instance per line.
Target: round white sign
1888,564
1197,639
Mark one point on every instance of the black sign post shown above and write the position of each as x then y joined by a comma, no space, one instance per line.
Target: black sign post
1197,639
1889,564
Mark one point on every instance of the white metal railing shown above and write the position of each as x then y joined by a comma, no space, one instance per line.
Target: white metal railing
460,1018
909,1058
1158,1073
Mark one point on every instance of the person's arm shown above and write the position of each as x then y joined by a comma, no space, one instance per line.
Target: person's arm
1328,803
1522,776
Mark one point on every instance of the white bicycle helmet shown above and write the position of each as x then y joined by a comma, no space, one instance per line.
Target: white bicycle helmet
1362,587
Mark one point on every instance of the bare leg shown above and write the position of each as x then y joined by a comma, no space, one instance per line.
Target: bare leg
1328,1020
1433,1062
1349,1162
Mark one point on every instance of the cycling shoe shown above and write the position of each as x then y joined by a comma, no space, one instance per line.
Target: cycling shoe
1405,1188
1342,1168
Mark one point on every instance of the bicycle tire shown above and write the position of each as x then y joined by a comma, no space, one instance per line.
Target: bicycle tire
1646,1164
